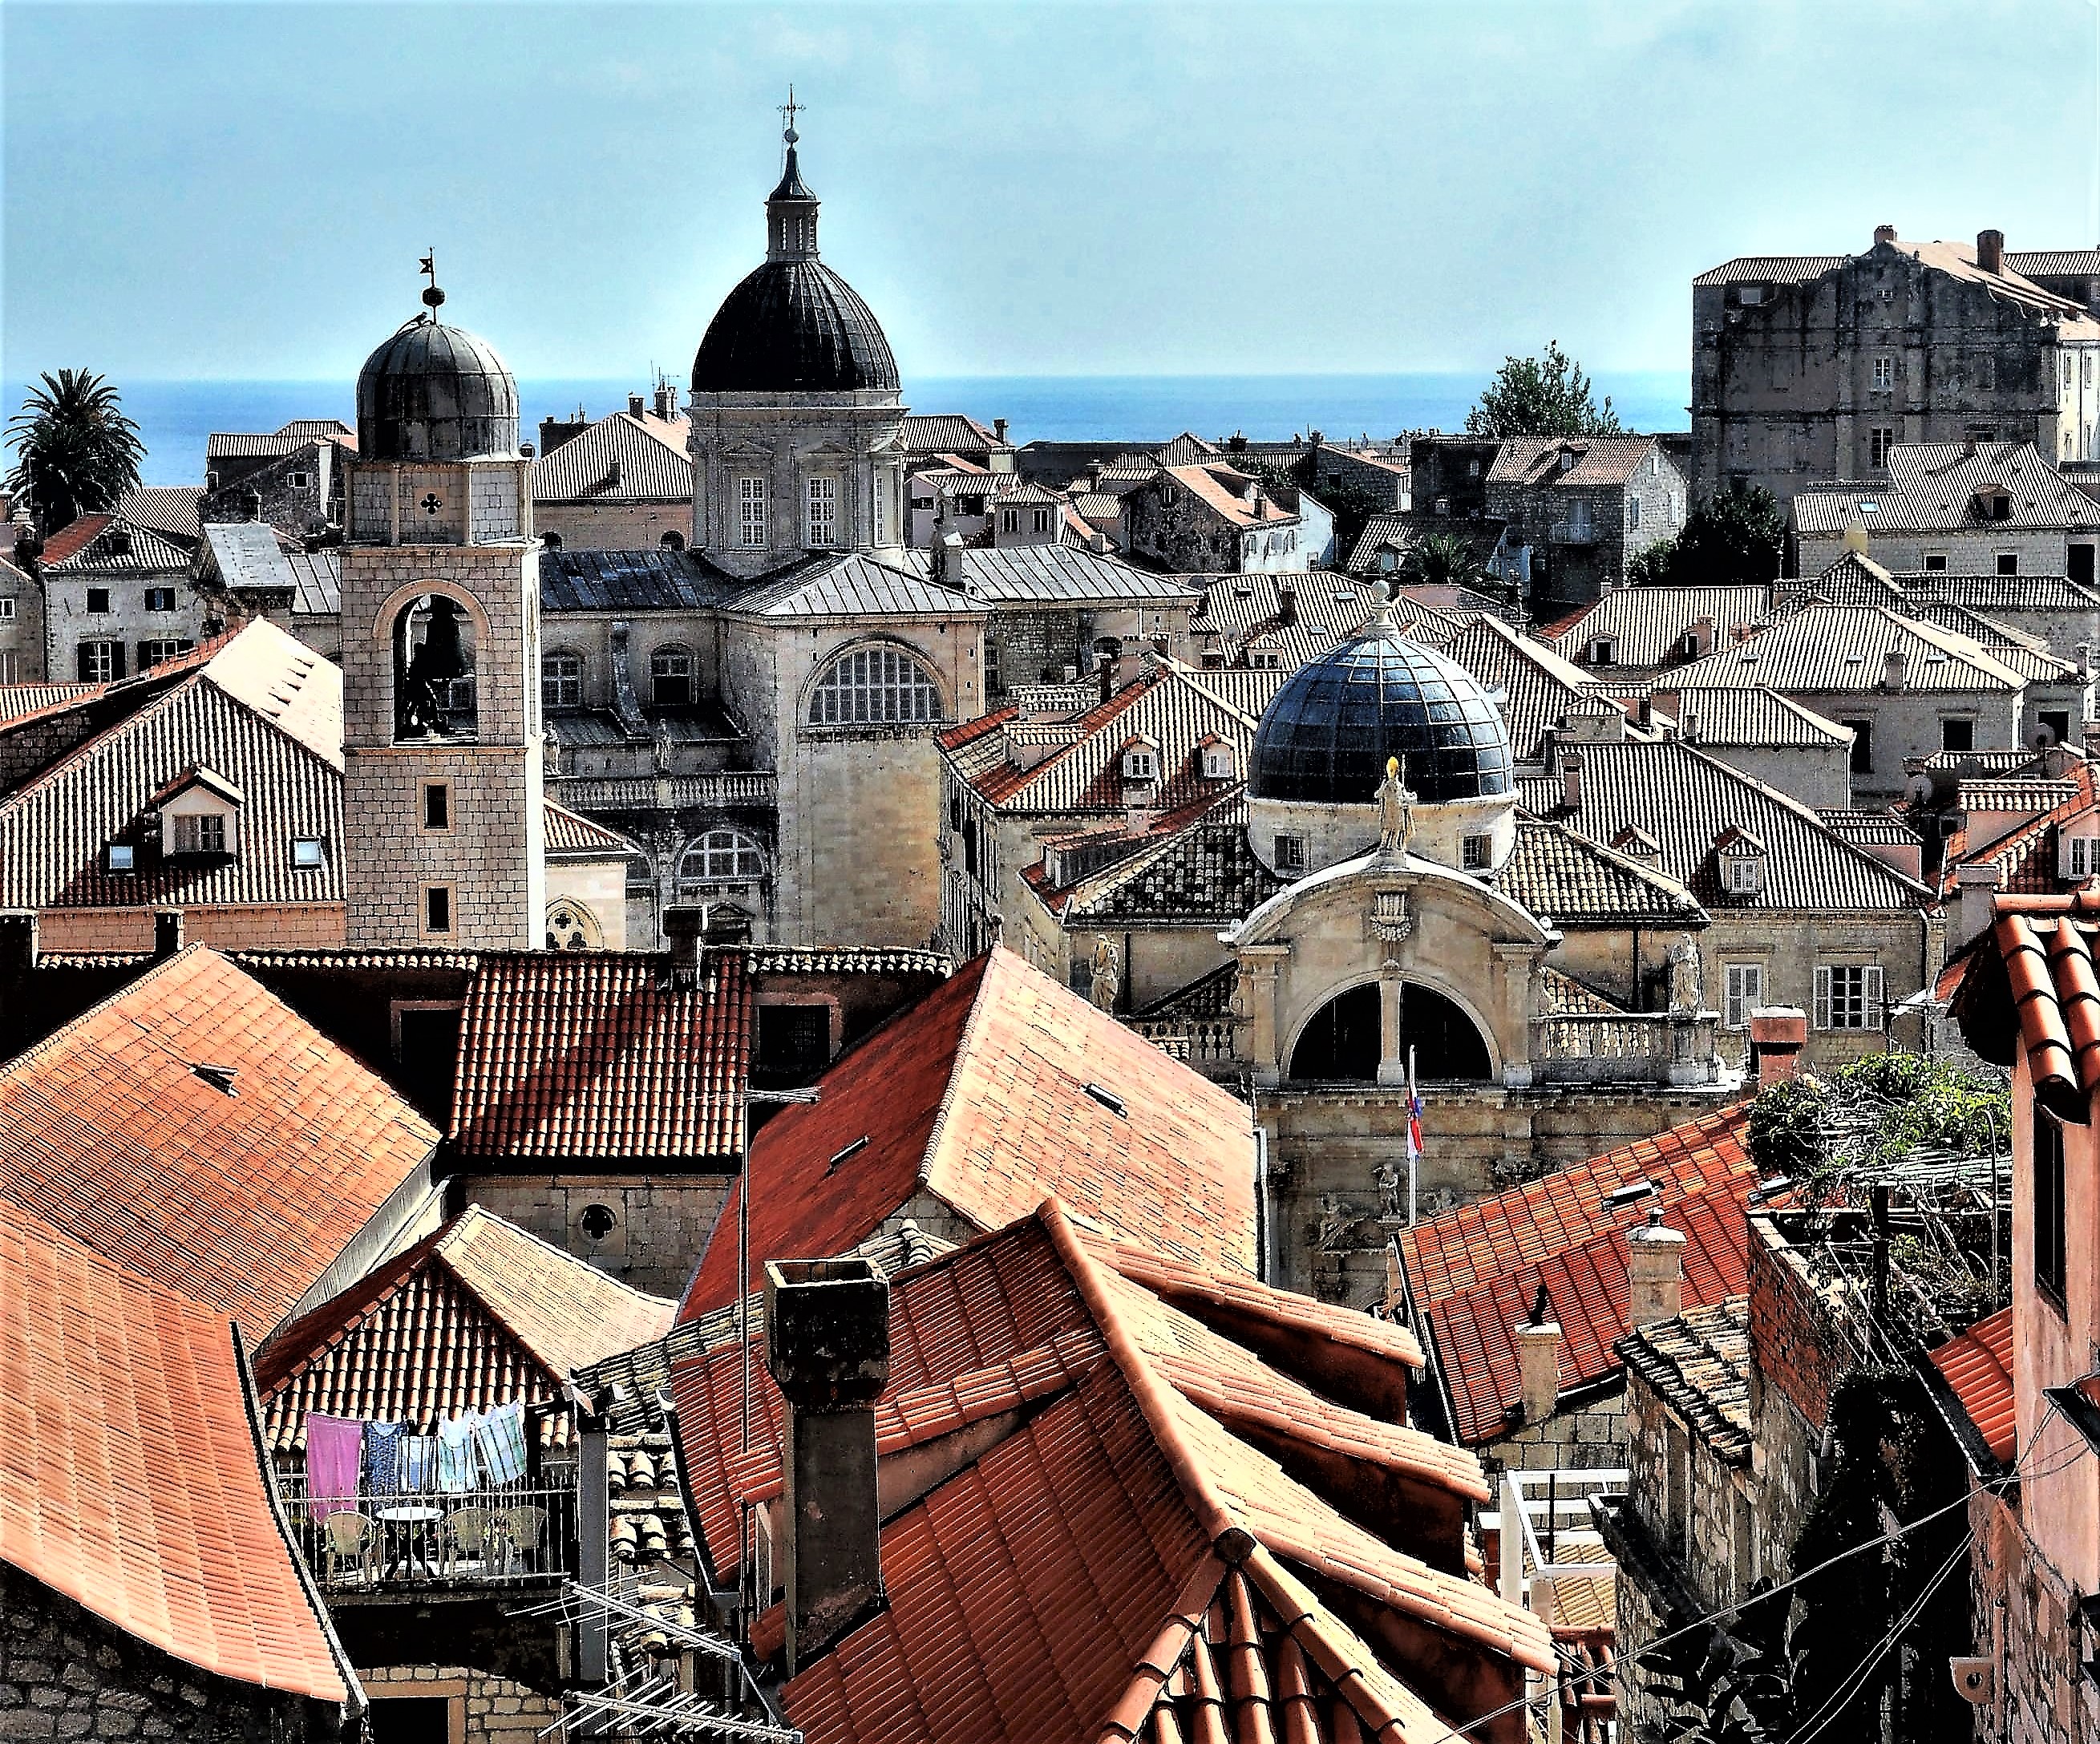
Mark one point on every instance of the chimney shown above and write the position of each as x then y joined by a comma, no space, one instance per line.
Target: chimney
948,561
1885,232
1538,1362
1287,606
1655,1272
1140,806
1571,780
1976,887
18,967
667,401
1895,667
1779,1033
634,405
167,933
1094,470
1991,250
251,504
827,1350
1702,635
684,927
998,429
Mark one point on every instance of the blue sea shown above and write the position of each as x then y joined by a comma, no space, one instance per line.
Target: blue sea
174,417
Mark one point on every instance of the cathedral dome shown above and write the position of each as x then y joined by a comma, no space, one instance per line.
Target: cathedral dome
794,326
434,392
1326,736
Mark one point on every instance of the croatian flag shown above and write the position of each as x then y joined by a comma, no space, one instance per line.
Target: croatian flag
1414,1124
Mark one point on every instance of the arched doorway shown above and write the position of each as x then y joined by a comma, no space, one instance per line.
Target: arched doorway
1341,1044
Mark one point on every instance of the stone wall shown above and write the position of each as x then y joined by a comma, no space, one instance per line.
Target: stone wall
22,629
614,526
1585,1436
484,1709
284,926
660,1222
65,1674
1035,647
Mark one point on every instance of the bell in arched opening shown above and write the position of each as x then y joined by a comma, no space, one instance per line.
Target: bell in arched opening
434,671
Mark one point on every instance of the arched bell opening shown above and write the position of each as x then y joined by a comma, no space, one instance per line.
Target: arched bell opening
1345,1041
435,692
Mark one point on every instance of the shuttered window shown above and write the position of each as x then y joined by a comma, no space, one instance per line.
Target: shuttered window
1848,996
1745,991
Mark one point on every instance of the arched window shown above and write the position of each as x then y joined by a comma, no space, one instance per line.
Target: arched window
571,927
434,670
562,680
671,678
874,687
719,857
1343,1044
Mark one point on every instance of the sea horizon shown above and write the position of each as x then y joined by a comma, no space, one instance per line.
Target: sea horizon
175,415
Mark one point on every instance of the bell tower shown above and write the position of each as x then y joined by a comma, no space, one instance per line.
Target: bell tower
442,808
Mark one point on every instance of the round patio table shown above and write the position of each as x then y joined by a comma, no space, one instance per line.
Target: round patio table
410,1523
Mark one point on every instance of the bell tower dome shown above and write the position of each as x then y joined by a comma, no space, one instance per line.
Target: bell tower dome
796,405
442,808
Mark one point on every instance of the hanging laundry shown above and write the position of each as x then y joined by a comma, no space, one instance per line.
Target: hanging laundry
382,1458
500,1439
419,1464
456,1454
335,1450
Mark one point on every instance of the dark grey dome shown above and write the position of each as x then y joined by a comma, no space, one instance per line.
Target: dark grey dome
794,326
1330,730
434,392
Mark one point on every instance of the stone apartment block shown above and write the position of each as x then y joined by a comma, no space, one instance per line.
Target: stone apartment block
292,479
1583,506
1210,516
117,597
1808,368
22,649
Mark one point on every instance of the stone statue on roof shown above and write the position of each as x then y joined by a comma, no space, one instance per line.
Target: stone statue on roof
1108,974
1395,811
1685,989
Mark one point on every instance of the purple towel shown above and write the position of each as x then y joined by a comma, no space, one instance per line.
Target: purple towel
335,1448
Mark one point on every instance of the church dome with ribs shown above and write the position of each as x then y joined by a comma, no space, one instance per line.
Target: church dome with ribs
435,392
794,325
1326,736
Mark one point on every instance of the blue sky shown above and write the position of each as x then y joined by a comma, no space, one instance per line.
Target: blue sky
1225,187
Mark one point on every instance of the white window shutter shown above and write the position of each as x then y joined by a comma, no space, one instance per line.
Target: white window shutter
1753,984
1873,995
1822,997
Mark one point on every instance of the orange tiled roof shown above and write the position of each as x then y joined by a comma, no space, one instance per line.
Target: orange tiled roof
129,1480
241,1197
74,535
978,1096
1122,1558
597,1054
569,833
2046,946
478,1314
1978,1367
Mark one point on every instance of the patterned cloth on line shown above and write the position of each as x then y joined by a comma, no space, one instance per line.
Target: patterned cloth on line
455,1455
335,1450
499,1437
382,1458
419,1464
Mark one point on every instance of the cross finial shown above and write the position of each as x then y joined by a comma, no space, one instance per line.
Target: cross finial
788,111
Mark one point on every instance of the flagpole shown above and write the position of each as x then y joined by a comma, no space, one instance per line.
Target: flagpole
1414,1158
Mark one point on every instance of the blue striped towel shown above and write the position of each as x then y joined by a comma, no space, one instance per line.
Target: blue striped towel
499,1437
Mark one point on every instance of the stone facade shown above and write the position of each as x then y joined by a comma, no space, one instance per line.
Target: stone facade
1798,381
660,1226
1165,520
286,926
1588,1435
1580,537
129,609
481,1708
636,526
22,651
300,491
66,1674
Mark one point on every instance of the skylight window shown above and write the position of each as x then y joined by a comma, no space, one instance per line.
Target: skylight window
1109,1100
307,853
854,1150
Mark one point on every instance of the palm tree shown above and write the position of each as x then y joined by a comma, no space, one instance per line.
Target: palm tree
1443,559
75,451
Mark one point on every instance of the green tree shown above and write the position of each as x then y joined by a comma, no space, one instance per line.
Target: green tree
1542,396
1737,536
75,451
1442,559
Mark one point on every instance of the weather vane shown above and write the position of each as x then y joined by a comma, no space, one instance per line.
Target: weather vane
788,111
428,266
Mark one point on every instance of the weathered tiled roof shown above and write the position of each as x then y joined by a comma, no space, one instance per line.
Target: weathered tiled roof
1533,460
1203,873
620,459
1958,259
1771,269
1700,1362
2028,655
1886,829
978,1095
570,835
1978,1365
595,1055
18,702
1047,574
1650,623
844,959
1687,800
128,1475
1840,649
113,546
241,1197
1399,531
478,1315
945,433
1932,487
1998,593
1153,1441
2026,854
166,509
258,708
1754,715
1555,873
1532,684
855,585
1218,488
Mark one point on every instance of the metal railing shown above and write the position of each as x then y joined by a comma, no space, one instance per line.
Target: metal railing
738,787
515,1535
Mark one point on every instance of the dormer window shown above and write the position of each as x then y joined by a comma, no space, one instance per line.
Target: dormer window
1219,762
1742,859
199,815
2080,858
1140,760
1603,651
198,832
122,856
1993,504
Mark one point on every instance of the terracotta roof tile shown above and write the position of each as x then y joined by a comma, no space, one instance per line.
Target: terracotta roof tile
1700,1362
597,1054
240,1197
1534,461
978,1095
568,833
1978,1365
2045,944
478,1315
130,1480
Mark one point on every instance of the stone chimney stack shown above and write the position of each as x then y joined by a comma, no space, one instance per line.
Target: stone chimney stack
684,929
1976,887
634,405
1895,669
828,1349
1779,1036
167,933
1885,232
667,401
998,429
1655,1272
1991,250
1702,635
1287,604
1539,1361
1571,780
